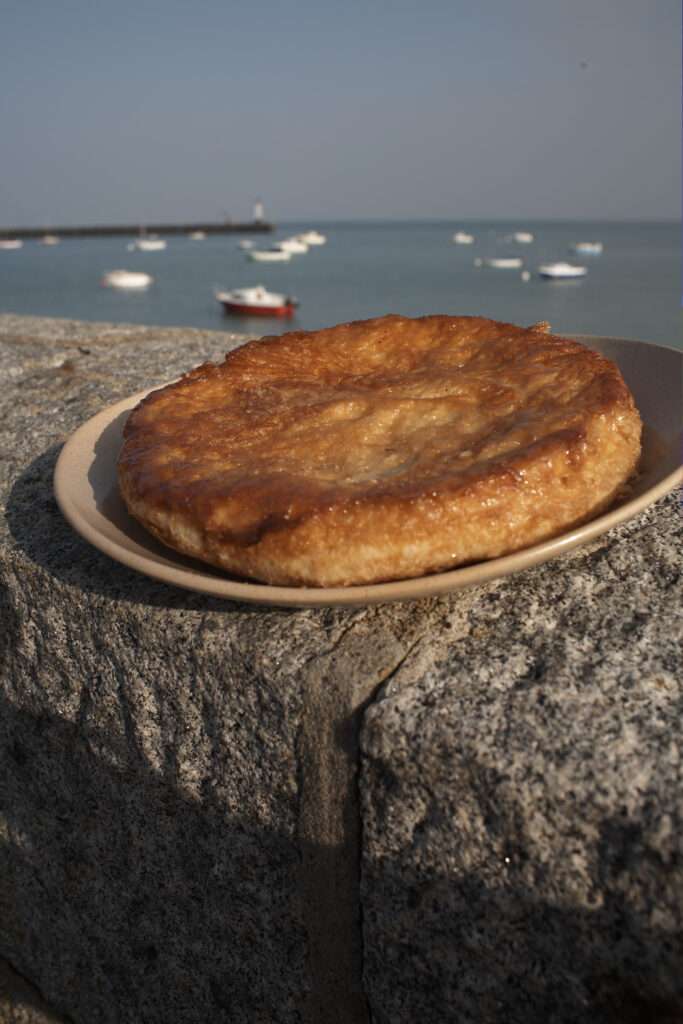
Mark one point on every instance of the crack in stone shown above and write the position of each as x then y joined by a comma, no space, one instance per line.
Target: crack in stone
330,835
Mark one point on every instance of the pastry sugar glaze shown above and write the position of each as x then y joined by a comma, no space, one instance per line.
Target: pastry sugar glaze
380,449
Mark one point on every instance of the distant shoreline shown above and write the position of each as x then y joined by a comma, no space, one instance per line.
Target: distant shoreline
109,230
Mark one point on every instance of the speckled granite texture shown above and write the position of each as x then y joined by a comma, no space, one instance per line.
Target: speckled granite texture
189,788
178,810
523,800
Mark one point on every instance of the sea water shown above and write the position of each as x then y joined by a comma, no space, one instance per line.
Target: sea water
367,269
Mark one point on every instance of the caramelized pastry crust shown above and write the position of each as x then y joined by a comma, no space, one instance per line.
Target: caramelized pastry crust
380,449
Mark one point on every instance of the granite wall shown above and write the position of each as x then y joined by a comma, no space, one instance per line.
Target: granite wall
457,809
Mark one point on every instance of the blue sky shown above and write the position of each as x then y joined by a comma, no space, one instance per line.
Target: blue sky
142,111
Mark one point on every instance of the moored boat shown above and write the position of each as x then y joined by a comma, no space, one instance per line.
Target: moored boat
463,238
10,243
269,255
148,243
561,270
49,240
127,280
522,237
293,245
587,248
256,301
501,262
312,238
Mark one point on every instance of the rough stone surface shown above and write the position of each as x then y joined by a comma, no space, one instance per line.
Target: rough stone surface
180,797
523,799
178,812
148,836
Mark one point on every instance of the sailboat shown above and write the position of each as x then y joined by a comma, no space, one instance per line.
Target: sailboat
147,243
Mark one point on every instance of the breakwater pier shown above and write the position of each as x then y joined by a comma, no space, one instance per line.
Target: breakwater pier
108,230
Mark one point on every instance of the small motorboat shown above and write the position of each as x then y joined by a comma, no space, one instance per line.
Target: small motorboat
148,243
272,255
587,248
49,240
257,301
293,245
197,236
246,243
502,262
561,270
463,238
522,237
127,280
312,238
10,243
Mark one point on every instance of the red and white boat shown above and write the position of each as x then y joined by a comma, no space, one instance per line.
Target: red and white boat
257,301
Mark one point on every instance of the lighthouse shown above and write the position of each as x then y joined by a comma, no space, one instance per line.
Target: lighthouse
258,212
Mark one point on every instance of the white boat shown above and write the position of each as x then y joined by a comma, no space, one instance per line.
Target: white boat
49,240
269,255
561,270
148,243
312,238
587,248
197,236
256,301
10,243
502,262
128,280
246,243
293,245
463,238
522,237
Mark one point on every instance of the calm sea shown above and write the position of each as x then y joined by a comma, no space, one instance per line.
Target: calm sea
366,269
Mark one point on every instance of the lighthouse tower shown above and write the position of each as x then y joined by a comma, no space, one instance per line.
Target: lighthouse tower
258,212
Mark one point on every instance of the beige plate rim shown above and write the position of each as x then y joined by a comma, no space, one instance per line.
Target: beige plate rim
78,503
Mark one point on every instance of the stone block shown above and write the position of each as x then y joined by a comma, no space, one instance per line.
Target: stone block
191,831
178,838
522,799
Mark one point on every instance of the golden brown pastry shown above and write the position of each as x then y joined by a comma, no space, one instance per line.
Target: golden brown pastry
380,449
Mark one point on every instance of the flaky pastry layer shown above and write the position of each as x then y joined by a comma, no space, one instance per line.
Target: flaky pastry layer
380,449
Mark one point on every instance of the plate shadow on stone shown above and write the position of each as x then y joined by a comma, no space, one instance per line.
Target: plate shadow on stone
41,532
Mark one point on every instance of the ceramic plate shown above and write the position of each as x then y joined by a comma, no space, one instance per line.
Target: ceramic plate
87,492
